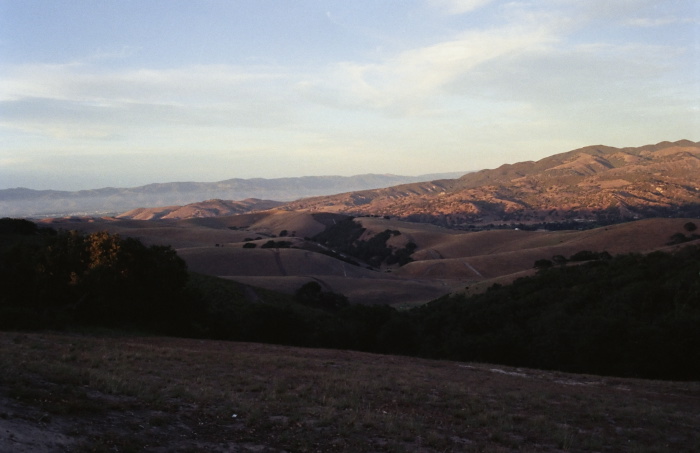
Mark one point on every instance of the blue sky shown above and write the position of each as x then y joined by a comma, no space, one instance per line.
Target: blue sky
129,92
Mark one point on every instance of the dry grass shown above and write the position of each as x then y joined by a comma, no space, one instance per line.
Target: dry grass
83,393
494,254
445,261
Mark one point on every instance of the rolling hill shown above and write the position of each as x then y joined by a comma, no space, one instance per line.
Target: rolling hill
444,261
598,183
208,208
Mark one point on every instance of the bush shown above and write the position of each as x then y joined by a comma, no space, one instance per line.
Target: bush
678,238
543,264
312,295
276,244
586,255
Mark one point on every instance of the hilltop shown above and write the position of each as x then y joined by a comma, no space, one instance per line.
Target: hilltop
595,183
598,184
208,208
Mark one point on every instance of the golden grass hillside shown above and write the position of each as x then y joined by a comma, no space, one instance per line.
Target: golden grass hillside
445,260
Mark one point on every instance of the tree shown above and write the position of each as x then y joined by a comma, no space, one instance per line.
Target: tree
559,259
678,238
312,295
17,226
97,279
543,264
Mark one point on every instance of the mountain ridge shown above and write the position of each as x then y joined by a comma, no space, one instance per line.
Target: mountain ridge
597,182
109,200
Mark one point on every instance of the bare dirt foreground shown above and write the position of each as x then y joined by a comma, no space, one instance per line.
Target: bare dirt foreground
67,392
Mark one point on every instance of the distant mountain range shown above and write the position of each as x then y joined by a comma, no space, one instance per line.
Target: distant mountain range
593,183
22,202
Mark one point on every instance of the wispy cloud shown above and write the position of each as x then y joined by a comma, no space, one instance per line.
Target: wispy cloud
409,82
649,22
86,82
459,6
83,101
412,81
120,54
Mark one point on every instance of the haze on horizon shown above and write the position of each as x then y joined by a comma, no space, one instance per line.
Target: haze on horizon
126,93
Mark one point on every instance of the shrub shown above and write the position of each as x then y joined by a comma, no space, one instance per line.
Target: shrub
543,264
276,244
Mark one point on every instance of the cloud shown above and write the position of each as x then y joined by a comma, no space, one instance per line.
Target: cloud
459,6
12,161
528,76
647,22
105,55
86,82
411,81
80,100
574,75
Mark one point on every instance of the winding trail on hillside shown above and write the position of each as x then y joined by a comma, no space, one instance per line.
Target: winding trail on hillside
471,268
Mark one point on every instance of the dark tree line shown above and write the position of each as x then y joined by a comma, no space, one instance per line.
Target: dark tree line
99,278
630,315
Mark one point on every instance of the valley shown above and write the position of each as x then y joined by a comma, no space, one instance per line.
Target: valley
445,260
431,270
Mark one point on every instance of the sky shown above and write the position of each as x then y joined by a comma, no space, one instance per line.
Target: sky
124,93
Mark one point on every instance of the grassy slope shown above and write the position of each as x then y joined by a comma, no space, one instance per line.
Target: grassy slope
445,261
122,393
499,253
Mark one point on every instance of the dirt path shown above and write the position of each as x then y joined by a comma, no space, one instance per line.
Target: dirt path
278,260
471,268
